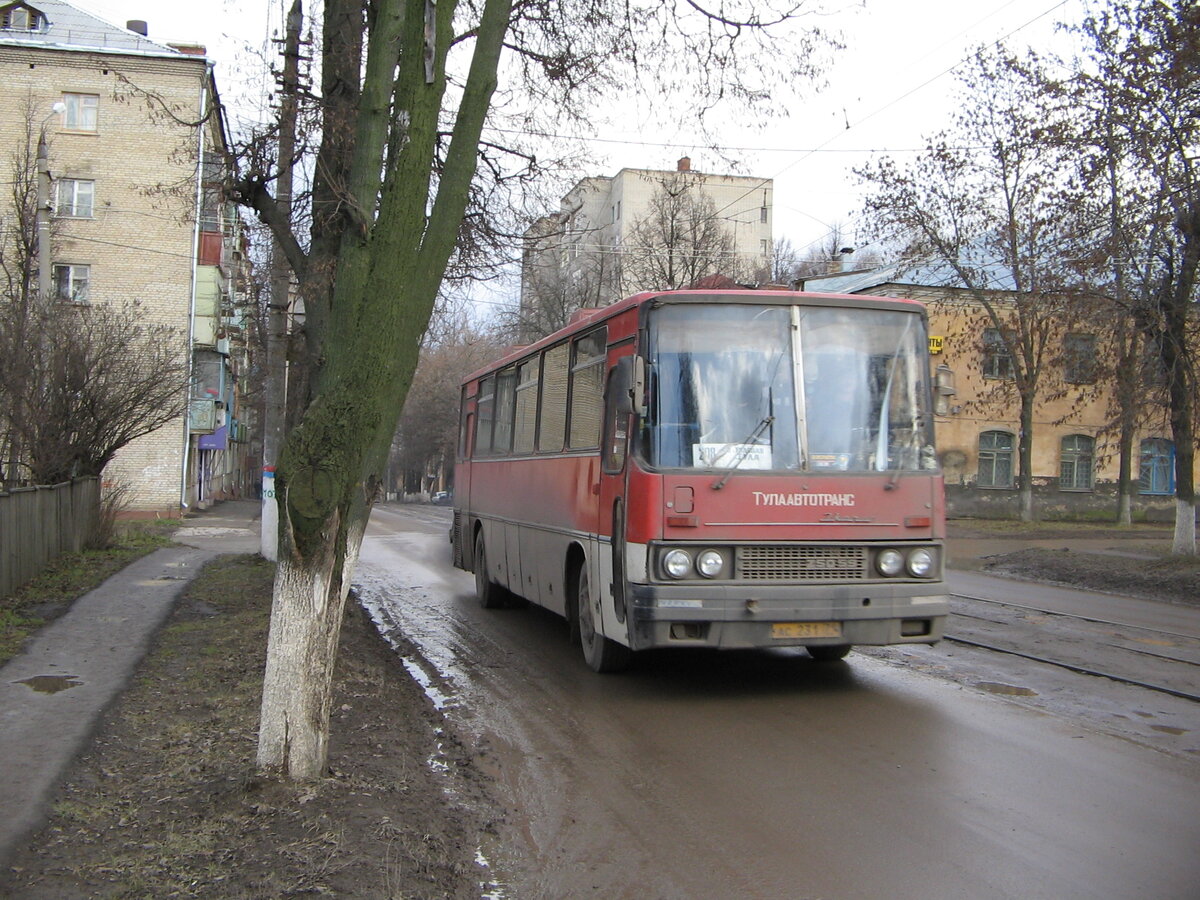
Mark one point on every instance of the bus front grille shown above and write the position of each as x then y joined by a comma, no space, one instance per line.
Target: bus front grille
791,563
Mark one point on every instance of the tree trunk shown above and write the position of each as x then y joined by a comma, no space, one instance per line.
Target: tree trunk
1184,542
306,613
392,249
1025,459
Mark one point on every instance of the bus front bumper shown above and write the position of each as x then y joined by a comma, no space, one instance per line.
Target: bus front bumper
743,617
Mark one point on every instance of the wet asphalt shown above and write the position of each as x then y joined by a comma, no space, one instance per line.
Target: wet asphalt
53,694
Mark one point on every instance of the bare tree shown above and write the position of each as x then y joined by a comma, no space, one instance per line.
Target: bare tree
680,239
78,381
428,431
18,268
406,89
562,271
1139,93
96,378
985,203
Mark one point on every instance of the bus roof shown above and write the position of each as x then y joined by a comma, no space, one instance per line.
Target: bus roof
583,319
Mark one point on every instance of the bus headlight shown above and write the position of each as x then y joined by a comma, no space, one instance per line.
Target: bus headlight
889,563
920,563
710,563
677,563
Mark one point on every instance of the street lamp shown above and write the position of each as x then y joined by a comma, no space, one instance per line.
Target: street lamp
43,203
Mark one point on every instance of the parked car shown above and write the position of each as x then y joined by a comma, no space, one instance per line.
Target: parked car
442,498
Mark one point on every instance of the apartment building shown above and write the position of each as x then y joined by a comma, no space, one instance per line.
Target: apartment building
135,146
643,229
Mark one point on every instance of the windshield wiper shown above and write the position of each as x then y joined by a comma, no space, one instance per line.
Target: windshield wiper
746,445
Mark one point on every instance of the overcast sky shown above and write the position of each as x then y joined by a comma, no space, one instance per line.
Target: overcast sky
891,85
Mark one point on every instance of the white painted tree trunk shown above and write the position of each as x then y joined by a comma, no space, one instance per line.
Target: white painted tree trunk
1185,528
306,615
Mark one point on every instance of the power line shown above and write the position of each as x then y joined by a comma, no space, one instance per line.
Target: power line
902,97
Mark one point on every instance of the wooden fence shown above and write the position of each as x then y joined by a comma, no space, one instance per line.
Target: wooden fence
38,524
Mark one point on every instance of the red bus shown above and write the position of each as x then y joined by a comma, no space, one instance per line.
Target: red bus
727,469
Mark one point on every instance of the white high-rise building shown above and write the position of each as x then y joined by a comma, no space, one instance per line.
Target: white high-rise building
643,229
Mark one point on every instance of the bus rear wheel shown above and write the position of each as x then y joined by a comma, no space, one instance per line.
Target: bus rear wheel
602,654
489,593
828,652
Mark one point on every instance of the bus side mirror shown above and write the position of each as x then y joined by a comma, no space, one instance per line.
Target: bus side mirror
627,385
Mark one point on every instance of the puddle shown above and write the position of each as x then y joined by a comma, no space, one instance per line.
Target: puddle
1009,690
213,531
51,684
1168,729
439,700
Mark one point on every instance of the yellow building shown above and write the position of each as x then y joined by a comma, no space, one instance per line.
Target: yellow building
135,145
1075,435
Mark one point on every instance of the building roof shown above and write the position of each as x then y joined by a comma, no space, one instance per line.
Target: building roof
70,28
933,273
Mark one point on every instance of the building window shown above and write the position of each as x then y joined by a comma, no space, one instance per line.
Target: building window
762,215
1075,463
995,460
997,361
19,17
71,283
74,197
81,113
1079,358
1157,469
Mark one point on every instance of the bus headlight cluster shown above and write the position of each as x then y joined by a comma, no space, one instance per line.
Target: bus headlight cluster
919,563
679,564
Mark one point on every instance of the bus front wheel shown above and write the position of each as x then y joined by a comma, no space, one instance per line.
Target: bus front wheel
828,652
601,653
488,592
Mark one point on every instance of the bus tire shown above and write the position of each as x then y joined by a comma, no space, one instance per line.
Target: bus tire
602,654
828,652
489,593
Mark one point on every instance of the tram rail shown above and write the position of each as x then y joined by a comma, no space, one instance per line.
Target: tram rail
1085,644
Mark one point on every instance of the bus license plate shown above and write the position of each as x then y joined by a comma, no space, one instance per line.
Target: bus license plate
806,630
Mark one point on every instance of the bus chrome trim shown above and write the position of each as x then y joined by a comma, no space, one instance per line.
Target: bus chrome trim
803,524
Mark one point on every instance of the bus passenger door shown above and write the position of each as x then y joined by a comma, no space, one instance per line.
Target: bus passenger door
614,450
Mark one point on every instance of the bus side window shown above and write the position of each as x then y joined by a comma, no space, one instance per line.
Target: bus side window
587,389
485,410
552,420
525,423
502,434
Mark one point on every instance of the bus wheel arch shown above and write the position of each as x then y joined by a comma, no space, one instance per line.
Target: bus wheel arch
573,566
601,653
489,594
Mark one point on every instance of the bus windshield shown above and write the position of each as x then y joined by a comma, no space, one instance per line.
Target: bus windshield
755,387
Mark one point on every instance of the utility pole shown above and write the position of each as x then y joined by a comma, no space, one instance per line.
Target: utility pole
43,204
43,216
281,285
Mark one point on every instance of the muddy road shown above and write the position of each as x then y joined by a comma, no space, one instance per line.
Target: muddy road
766,774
